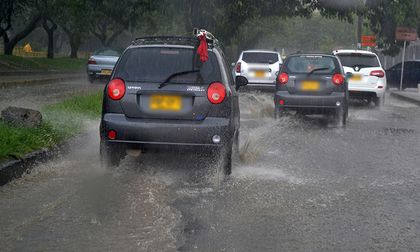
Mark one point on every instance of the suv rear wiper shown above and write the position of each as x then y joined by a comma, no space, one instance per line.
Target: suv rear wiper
317,69
165,82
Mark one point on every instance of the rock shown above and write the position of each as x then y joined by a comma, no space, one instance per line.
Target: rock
22,117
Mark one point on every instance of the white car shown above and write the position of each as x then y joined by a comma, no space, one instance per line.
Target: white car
259,67
368,79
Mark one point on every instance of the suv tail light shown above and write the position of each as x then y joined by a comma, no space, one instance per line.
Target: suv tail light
91,62
116,89
337,79
283,78
238,67
216,92
378,73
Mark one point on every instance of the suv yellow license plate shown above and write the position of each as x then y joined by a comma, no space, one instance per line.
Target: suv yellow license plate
356,77
260,74
165,102
106,72
310,85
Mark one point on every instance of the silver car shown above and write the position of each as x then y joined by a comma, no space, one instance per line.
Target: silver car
101,63
258,68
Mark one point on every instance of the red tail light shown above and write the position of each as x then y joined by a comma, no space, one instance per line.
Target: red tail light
238,67
112,134
378,73
283,78
338,79
91,62
116,89
216,92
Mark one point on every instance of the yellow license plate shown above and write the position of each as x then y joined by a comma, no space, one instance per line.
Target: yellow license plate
310,85
106,72
356,77
260,74
165,102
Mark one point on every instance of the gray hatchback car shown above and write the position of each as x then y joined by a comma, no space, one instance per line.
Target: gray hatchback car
312,84
162,94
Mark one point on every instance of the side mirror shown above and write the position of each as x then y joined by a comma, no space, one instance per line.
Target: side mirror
233,64
240,82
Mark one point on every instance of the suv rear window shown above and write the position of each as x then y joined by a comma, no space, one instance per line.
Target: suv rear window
357,59
256,57
309,63
156,64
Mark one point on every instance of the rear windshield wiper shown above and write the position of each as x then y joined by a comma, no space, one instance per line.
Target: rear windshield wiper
317,69
166,81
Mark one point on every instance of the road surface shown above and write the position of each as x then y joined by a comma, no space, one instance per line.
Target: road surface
298,184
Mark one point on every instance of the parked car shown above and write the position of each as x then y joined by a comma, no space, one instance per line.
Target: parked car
312,84
258,68
411,74
162,94
101,63
368,80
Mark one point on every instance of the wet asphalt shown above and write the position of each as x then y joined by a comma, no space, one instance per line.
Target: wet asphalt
298,184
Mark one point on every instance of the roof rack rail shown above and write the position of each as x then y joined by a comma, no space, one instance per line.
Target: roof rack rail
177,40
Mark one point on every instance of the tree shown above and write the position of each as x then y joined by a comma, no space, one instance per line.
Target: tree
74,18
48,8
383,18
111,19
17,9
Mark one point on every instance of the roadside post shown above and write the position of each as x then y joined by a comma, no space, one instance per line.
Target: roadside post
404,34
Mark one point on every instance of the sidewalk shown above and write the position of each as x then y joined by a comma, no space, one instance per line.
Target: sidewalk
410,95
38,78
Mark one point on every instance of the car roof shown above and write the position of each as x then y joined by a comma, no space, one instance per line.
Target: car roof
259,51
311,54
345,51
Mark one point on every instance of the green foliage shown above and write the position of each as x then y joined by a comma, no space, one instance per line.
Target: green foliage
9,62
61,121
385,15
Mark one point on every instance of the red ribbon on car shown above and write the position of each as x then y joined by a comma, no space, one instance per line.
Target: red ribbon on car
202,49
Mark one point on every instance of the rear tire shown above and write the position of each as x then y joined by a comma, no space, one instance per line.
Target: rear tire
340,116
227,162
379,101
91,78
278,112
110,154
225,154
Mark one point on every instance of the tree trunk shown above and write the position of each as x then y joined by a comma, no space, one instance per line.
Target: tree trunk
74,46
50,33
9,45
6,43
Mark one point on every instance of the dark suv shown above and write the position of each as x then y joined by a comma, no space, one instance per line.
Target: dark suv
162,93
312,84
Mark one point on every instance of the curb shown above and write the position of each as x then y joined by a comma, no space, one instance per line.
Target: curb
39,81
14,169
406,98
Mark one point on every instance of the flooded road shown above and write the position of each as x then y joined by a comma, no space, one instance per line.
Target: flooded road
298,184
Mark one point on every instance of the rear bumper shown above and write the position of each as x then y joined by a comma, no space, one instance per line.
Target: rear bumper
96,69
309,101
166,132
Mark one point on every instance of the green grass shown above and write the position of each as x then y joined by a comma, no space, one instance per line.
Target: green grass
60,122
8,62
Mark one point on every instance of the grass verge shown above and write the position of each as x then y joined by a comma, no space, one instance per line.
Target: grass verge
60,122
9,62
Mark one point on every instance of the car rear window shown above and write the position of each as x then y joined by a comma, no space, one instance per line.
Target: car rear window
156,64
256,57
355,59
107,52
317,64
